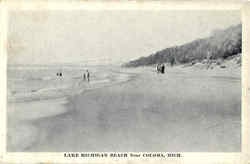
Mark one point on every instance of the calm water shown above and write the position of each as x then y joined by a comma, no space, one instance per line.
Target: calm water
26,83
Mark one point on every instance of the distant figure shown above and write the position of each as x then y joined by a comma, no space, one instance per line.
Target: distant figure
162,68
172,62
209,57
88,75
59,74
158,68
84,76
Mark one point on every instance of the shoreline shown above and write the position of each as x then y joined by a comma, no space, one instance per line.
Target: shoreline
57,106
74,106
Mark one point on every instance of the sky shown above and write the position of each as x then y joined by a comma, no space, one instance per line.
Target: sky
85,36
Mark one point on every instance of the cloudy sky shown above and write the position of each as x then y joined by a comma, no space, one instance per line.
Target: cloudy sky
45,37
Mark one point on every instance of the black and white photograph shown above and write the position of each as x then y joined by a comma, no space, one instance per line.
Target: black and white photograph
124,81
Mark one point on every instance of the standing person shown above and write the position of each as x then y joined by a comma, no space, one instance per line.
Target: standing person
162,68
158,68
208,57
172,61
84,76
88,75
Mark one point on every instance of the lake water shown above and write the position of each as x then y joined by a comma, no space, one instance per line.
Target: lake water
29,83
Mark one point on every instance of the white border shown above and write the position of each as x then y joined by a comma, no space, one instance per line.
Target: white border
243,157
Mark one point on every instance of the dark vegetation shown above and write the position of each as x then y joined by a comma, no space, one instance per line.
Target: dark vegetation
220,45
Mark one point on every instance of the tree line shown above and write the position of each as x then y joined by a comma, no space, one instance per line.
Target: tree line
220,45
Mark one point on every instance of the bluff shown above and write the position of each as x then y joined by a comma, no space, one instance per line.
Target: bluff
220,45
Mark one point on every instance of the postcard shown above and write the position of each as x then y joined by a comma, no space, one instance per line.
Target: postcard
124,82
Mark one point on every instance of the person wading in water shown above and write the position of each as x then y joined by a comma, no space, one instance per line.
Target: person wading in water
84,76
88,75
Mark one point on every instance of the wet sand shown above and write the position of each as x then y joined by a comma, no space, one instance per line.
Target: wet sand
182,110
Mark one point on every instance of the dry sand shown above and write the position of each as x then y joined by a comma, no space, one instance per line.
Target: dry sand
183,110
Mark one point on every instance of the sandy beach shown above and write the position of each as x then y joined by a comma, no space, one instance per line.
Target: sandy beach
93,81
185,109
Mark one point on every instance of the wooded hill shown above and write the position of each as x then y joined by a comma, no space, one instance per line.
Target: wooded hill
220,45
